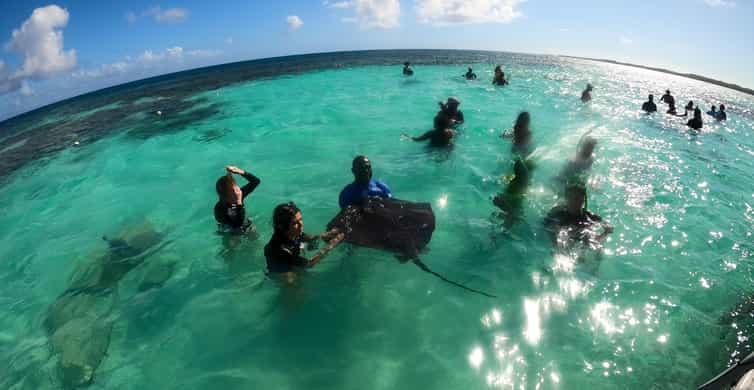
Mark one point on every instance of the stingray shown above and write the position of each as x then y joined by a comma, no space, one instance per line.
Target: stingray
397,226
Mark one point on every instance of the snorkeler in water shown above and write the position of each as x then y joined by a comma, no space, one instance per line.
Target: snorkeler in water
672,111
572,222
363,185
450,109
667,98
499,78
649,106
521,135
586,95
283,251
721,115
470,75
407,71
696,122
230,212
510,202
441,136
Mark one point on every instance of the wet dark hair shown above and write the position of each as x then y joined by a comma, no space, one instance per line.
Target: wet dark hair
224,187
283,216
521,128
651,97
697,113
722,107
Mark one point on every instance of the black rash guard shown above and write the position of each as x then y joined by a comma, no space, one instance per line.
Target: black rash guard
559,218
234,216
284,255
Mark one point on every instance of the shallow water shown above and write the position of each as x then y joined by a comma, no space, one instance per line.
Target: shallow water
648,313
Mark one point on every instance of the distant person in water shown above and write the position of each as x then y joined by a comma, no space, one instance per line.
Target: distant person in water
572,222
521,134
649,105
363,185
283,251
230,212
586,95
407,71
450,109
713,111
672,110
721,115
470,75
441,136
510,202
689,106
667,98
696,122
499,78
579,164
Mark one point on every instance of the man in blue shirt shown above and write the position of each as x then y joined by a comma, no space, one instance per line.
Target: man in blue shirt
363,185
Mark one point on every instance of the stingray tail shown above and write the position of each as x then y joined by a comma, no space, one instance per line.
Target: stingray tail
426,269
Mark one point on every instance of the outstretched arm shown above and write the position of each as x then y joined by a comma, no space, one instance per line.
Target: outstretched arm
325,251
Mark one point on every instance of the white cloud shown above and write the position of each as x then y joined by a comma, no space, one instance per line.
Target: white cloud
294,22
720,3
169,15
626,40
148,59
338,4
371,14
25,89
40,42
447,12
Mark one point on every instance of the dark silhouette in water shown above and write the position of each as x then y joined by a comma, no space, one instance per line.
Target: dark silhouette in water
510,201
441,136
402,227
470,75
696,122
586,95
407,71
363,185
499,77
78,323
649,106
450,109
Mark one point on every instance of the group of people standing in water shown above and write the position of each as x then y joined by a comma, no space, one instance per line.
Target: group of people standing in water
569,222
696,121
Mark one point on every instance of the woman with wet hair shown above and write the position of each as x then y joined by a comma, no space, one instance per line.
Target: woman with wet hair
230,212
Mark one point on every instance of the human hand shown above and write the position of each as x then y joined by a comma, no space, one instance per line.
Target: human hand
234,169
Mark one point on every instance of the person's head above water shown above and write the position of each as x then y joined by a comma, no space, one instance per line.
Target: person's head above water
698,113
287,221
690,105
575,196
407,64
227,190
722,107
714,108
451,104
362,169
651,97
667,92
589,87
523,121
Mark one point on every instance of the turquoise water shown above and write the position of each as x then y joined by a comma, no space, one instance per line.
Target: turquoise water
645,315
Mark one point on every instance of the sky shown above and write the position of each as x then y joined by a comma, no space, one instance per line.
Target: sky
50,51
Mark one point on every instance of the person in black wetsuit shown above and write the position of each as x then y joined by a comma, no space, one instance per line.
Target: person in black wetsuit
499,78
649,105
470,75
572,222
230,212
510,202
586,95
441,136
283,251
667,98
696,122
407,71
672,110
450,109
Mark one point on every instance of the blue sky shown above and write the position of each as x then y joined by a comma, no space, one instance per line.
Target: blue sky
51,51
